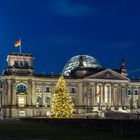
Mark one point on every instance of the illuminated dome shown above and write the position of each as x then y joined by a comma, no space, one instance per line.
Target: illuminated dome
73,63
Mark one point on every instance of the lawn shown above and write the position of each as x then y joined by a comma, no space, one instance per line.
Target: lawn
22,130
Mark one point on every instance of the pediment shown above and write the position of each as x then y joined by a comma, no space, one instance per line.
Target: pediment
107,74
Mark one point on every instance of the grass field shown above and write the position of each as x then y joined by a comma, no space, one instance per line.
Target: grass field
22,130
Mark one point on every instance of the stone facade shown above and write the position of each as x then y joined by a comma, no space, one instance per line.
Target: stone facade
26,94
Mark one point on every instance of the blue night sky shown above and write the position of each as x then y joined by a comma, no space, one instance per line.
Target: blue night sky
55,30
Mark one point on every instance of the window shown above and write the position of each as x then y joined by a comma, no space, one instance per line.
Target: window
38,89
72,90
21,113
21,101
129,92
38,101
47,101
21,63
48,113
26,64
47,89
136,92
21,88
16,64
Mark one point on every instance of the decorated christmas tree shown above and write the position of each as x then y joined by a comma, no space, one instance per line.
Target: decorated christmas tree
61,105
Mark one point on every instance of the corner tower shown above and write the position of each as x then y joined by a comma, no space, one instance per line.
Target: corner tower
19,64
123,69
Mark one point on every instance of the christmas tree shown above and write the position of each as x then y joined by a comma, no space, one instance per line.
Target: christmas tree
61,105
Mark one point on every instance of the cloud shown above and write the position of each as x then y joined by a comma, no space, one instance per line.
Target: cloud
67,8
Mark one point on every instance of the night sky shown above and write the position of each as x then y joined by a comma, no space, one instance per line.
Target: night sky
56,30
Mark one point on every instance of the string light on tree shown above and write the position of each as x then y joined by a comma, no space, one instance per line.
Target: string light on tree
61,106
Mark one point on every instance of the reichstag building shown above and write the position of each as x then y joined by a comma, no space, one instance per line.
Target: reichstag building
94,89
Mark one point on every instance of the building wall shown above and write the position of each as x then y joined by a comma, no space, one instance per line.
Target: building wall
89,96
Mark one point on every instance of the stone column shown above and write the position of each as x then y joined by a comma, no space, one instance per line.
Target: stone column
93,93
9,93
29,93
95,99
101,95
133,93
33,93
115,97
43,94
14,102
100,92
80,93
112,95
108,95
4,92
90,95
124,96
86,85
119,95
84,94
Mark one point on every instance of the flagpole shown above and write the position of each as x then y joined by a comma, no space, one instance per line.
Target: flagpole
20,46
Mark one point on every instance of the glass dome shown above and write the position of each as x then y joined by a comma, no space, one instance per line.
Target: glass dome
88,62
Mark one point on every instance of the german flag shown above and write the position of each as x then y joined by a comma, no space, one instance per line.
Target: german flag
18,43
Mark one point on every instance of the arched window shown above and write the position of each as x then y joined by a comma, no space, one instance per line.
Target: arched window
47,101
21,88
38,101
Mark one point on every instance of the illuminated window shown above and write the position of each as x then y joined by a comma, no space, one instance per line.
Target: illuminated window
21,101
48,113
21,88
22,113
